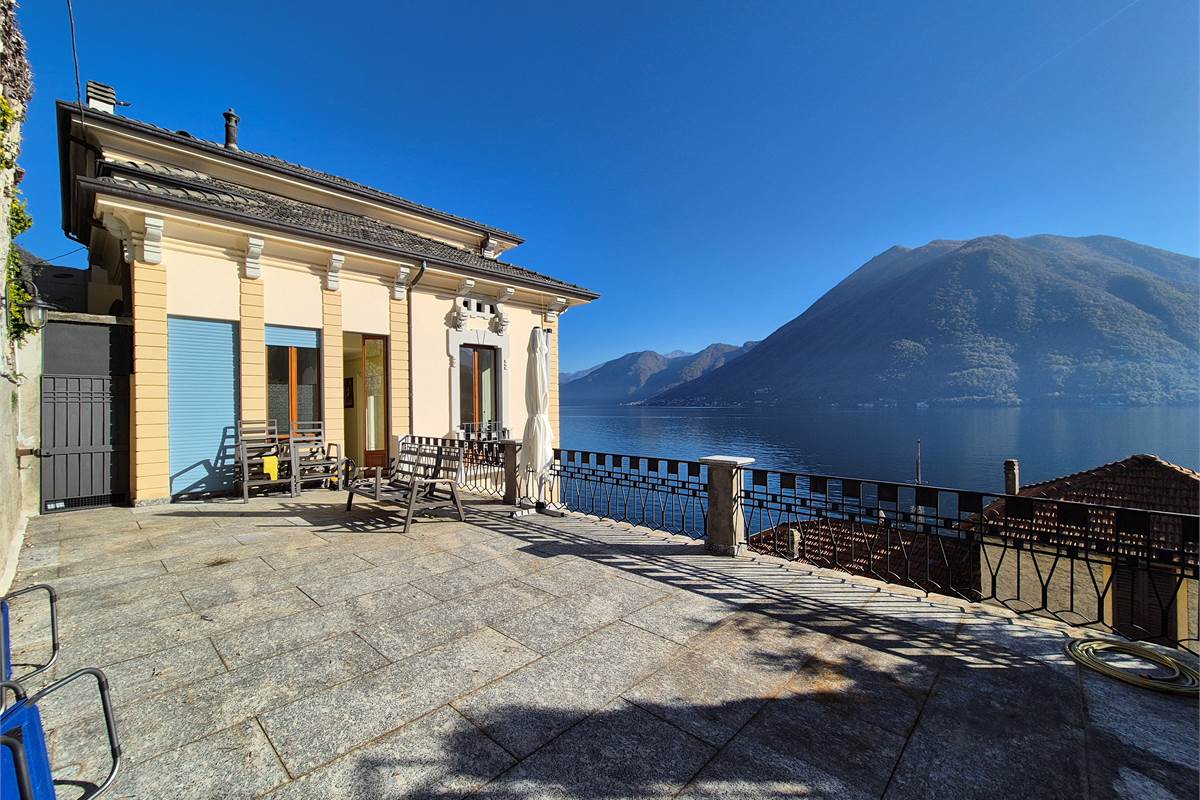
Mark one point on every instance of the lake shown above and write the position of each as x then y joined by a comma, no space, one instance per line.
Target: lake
962,447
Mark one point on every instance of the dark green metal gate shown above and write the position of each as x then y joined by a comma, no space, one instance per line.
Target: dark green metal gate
85,415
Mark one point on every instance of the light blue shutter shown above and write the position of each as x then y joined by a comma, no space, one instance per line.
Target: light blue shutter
202,404
283,336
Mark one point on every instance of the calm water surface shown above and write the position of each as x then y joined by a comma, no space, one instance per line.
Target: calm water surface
962,447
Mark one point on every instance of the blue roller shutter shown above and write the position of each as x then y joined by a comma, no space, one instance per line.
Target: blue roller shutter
202,404
283,336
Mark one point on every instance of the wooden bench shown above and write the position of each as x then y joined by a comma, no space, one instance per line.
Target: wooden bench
257,441
416,476
312,459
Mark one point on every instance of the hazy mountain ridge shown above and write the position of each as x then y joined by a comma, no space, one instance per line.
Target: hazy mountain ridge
634,377
994,320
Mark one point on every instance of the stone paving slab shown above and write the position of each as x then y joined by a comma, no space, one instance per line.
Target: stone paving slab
439,755
237,762
262,640
619,752
558,622
412,633
286,649
168,721
531,706
321,726
270,581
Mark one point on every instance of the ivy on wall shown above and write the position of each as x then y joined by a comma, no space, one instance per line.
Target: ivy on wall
19,221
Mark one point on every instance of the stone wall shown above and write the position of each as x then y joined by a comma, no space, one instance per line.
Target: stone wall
19,367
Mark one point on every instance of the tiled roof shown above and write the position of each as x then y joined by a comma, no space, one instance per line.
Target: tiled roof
276,163
1140,481
191,188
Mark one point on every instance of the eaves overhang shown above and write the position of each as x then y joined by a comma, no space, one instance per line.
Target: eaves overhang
94,186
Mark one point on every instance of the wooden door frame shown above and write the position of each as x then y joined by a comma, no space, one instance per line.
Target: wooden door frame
496,355
376,458
293,384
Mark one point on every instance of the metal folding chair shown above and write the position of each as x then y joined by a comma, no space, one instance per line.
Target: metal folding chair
6,639
24,757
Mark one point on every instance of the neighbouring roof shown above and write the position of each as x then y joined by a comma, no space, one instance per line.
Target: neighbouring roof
1140,481
286,167
191,190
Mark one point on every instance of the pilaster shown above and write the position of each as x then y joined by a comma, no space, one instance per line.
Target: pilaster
253,351
400,399
149,445
332,367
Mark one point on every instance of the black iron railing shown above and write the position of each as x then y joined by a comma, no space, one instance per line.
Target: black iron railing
1131,570
482,462
658,493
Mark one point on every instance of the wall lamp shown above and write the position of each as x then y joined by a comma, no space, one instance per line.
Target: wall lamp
35,308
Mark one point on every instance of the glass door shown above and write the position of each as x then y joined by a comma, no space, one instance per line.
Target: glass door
478,385
293,385
375,427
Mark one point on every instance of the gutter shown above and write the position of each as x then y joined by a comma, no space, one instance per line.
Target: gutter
205,210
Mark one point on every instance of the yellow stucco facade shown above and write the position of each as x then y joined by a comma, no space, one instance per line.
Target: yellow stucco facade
178,265
201,274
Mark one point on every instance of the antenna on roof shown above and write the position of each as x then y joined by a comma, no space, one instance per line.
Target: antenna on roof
919,480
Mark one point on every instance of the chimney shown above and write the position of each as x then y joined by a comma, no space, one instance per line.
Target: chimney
231,129
1012,476
101,97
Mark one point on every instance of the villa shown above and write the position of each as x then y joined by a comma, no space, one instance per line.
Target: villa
261,289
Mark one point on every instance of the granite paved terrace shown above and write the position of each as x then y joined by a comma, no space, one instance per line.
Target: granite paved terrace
287,649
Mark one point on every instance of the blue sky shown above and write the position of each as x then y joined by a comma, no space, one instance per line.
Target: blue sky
710,168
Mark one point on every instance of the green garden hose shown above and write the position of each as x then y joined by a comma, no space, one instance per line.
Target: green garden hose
1181,678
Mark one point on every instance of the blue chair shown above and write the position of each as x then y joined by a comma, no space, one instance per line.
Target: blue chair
26,767
6,642
14,754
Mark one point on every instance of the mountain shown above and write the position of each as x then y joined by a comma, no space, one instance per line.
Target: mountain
636,376
567,377
994,320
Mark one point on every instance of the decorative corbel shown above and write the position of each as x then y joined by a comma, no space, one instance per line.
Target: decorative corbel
253,264
120,231
333,273
499,322
150,242
458,317
400,286
555,307
490,248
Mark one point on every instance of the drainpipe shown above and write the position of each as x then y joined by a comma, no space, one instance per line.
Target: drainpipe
420,274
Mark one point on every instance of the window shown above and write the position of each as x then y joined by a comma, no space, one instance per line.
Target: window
293,385
478,384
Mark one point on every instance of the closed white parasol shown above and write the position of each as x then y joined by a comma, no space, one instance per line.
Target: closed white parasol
537,445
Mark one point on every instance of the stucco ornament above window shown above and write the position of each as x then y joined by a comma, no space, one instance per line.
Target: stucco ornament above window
469,303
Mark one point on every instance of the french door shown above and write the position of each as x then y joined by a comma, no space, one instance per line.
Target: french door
478,389
293,385
375,401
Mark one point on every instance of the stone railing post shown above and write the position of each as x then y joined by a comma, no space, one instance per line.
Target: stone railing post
512,494
725,532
